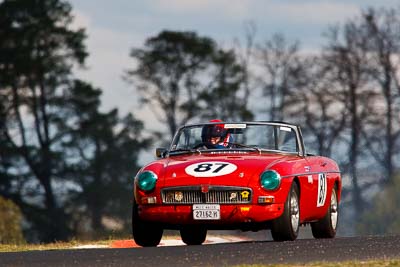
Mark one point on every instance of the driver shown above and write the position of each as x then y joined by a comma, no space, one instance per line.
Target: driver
215,136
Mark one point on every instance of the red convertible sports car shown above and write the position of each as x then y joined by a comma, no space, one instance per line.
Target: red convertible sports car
245,175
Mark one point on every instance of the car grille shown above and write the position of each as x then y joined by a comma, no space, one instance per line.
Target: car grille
207,194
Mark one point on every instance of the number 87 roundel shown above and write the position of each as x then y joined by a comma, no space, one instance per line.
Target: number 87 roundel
210,169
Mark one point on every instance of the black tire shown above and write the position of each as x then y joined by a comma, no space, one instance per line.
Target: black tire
193,235
286,227
326,227
145,234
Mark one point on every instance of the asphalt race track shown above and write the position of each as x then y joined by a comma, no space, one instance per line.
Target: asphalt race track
228,254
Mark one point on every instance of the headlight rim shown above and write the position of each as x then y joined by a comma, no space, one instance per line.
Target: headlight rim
277,177
153,181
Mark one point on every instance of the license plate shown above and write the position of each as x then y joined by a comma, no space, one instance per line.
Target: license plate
206,212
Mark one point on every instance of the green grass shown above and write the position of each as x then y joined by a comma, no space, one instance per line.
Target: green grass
65,245
51,246
369,263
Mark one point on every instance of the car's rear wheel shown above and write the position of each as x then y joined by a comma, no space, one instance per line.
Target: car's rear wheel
326,227
193,235
286,227
145,234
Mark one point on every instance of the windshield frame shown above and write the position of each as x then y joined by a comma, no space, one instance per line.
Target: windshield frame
299,140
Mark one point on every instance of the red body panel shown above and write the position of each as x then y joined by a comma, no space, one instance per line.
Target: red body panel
230,214
309,172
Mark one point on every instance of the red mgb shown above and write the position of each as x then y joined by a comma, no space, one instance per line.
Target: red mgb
235,175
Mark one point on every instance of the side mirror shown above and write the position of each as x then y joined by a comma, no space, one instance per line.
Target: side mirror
161,152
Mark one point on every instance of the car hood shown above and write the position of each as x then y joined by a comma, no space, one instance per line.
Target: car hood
229,170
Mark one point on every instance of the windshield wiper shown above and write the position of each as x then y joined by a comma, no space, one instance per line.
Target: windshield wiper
245,146
183,151
236,145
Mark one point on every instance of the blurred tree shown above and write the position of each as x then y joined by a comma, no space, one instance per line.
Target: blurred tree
37,50
10,223
176,70
245,57
313,104
346,57
383,32
383,217
169,72
347,98
104,151
281,66
7,159
222,99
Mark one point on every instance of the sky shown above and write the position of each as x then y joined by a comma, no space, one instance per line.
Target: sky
115,27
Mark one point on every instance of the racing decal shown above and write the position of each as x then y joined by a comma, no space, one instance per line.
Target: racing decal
322,187
210,169
178,196
245,194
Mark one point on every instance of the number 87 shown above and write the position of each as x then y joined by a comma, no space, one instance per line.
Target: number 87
214,167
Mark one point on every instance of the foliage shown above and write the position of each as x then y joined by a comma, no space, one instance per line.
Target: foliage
104,151
383,217
63,162
37,51
222,97
364,263
346,98
361,63
10,223
182,76
282,70
167,74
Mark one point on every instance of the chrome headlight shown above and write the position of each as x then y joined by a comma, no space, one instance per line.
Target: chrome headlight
146,180
270,180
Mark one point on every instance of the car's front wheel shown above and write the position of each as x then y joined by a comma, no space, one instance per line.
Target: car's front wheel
286,227
193,235
145,234
326,227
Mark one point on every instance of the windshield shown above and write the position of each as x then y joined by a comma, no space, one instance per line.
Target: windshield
265,136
